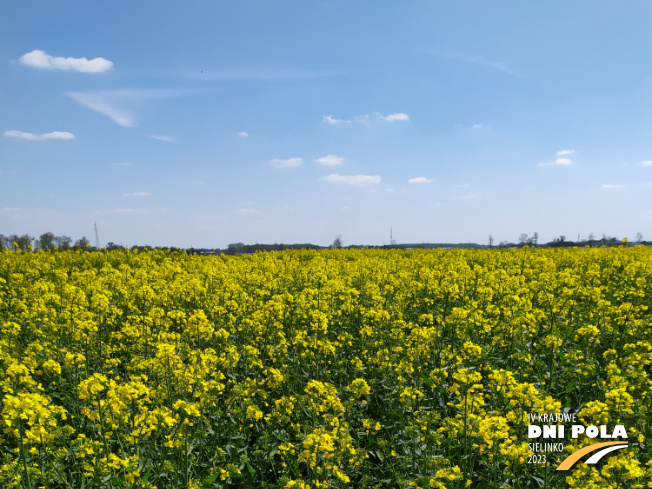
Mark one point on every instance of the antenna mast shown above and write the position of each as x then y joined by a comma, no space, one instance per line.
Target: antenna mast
97,239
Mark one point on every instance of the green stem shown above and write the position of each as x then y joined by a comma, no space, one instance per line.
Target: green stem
22,453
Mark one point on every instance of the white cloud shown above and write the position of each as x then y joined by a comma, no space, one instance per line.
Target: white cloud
112,103
480,125
558,162
132,210
289,163
419,180
367,118
39,137
243,134
331,120
123,163
137,194
330,160
42,60
565,152
353,180
59,135
646,163
246,211
102,104
613,186
376,116
167,139
397,116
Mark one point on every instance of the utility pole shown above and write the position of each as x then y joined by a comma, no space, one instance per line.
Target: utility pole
97,239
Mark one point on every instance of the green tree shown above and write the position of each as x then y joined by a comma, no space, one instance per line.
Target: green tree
46,241
82,244
63,242
24,242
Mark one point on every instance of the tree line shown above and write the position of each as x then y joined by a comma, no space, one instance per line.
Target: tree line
49,241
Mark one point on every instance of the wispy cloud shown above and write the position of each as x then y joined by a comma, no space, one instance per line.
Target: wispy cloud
39,137
104,103
368,118
260,74
247,211
329,119
138,211
458,56
613,186
118,104
352,180
9,210
330,160
560,161
289,163
376,116
167,139
397,116
646,163
243,134
137,194
42,60
419,180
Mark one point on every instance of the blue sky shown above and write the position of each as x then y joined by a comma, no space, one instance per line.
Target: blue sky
210,122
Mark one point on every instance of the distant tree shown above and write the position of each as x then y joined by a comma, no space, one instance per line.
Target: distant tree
62,242
639,238
562,238
491,241
337,242
234,248
46,241
82,244
535,238
24,242
523,239
112,246
591,237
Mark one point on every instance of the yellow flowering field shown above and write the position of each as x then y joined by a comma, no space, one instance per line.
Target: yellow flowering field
315,369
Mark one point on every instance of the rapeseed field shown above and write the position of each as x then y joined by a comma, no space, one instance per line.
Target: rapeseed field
320,369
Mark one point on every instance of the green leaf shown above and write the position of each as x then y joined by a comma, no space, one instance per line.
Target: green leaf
209,480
